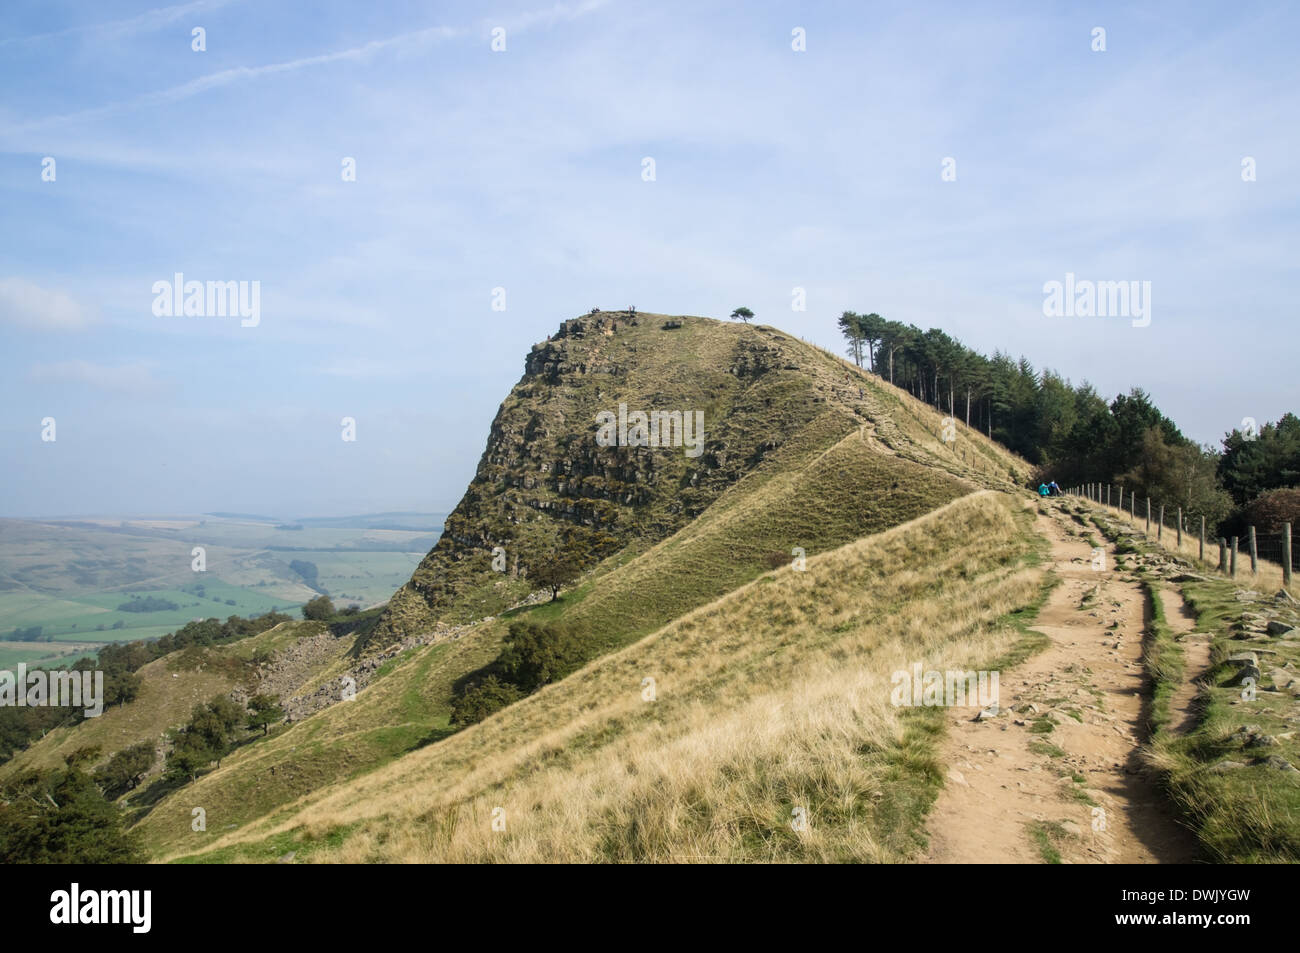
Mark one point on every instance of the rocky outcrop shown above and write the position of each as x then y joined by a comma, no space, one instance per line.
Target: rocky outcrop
543,476
291,673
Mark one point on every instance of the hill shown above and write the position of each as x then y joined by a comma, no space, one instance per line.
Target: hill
771,698
806,461
770,403
856,457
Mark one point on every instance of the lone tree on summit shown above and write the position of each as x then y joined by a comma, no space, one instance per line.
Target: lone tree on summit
743,313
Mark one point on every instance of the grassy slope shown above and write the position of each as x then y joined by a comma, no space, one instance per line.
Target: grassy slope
853,466
773,697
819,507
170,687
758,424
849,471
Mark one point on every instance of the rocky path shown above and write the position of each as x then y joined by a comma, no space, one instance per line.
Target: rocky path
1058,772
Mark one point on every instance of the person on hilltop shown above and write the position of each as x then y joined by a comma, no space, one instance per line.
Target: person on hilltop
1056,490
1043,490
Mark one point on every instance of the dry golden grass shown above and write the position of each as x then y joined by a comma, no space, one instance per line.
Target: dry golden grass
773,697
916,428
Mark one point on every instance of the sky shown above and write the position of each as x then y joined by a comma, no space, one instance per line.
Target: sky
523,169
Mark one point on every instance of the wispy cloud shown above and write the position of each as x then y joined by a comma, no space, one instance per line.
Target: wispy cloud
145,22
558,13
409,40
238,74
32,306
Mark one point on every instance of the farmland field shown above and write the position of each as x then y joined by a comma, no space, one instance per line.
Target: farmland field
67,586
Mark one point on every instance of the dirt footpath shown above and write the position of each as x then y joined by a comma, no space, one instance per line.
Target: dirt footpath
1058,772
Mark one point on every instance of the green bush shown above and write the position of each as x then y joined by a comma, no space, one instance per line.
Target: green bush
125,769
536,654
319,609
481,699
60,817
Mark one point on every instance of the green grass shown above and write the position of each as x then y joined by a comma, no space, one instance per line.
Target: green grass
1250,814
290,847
405,706
1046,835
818,508
1038,746
1162,658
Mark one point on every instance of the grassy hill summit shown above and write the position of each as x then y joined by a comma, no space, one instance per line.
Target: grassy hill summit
803,460
666,623
766,401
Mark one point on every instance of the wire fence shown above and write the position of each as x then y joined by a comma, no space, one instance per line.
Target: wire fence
1268,558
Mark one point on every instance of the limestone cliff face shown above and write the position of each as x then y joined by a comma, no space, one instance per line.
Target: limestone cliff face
544,477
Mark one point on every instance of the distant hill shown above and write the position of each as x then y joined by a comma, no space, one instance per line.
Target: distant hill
409,521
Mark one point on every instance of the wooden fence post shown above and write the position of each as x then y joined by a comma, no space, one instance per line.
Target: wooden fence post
1148,516
1223,555
1180,527
1160,530
1202,557
1254,553
1233,573
1286,555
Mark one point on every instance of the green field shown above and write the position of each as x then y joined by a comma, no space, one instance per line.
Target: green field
69,577
92,617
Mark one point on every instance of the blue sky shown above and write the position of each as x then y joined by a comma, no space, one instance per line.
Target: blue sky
521,169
